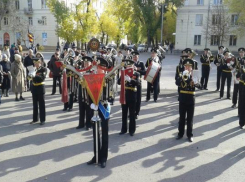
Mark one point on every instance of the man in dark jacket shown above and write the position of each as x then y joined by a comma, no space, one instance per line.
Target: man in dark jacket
28,62
56,72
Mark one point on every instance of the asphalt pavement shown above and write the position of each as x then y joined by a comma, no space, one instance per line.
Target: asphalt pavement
58,152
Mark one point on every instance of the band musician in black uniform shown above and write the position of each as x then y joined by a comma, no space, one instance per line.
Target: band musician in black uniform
84,100
155,85
130,98
139,66
104,112
217,62
70,85
228,64
241,87
186,100
180,68
206,60
241,105
38,91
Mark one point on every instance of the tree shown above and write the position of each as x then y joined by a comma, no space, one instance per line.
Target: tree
217,27
86,19
65,20
5,7
236,7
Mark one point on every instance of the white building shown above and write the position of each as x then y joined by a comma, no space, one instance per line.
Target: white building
40,22
191,21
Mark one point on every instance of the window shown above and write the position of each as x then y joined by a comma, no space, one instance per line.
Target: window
197,40
30,20
233,40
234,19
17,19
17,5
6,21
218,2
44,19
199,2
199,19
186,2
29,4
216,19
215,40
44,3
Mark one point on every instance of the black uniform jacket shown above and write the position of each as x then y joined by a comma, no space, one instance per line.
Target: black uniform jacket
38,86
187,90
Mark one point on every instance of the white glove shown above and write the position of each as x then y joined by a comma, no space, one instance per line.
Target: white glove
228,64
127,78
94,107
186,72
232,62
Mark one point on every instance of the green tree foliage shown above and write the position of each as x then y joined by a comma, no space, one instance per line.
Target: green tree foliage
236,7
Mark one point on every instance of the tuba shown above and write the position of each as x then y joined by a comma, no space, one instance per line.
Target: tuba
193,54
210,56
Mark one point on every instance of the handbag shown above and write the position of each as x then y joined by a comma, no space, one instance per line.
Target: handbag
50,74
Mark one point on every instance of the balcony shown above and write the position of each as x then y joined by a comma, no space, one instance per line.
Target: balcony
28,11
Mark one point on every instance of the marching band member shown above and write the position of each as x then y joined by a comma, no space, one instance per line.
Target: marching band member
228,63
140,68
206,60
130,100
236,78
241,87
241,105
180,68
85,112
38,91
70,85
127,54
104,111
217,62
155,84
186,100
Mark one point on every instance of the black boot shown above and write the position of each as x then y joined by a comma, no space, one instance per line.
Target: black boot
7,93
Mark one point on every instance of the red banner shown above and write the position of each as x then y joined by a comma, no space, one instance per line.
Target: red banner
122,94
64,98
94,85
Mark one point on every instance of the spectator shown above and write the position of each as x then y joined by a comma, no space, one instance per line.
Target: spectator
28,62
171,47
39,55
6,65
18,77
12,57
6,51
1,79
56,72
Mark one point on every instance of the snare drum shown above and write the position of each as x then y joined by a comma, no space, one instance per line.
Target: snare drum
152,72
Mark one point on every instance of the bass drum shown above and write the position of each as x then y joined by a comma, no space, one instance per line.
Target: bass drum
152,72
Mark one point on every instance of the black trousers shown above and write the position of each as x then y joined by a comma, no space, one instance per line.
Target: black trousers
103,145
241,95
205,76
186,109
129,106
138,102
235,93
228,76
28,85
55,79
219,74
69,104
38,103
155,86
242,108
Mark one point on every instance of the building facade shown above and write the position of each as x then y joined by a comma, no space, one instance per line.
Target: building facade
34,16
191,27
